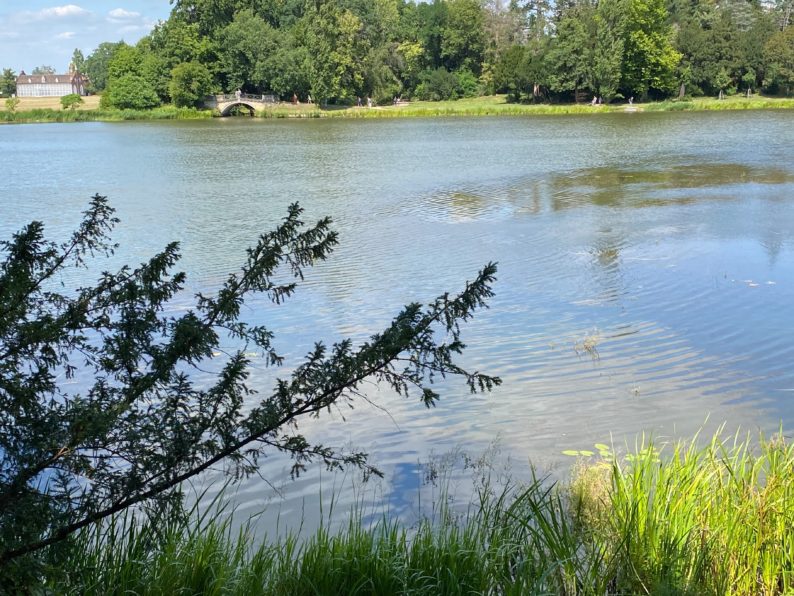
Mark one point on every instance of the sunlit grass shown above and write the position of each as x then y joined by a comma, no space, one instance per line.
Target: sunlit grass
50,115
494,105
26,104
665,519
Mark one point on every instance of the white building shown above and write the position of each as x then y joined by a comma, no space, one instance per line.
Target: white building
50,85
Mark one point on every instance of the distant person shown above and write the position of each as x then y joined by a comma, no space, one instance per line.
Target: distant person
369,101
358,101
238,94
309,97
294,98
631,100
595,101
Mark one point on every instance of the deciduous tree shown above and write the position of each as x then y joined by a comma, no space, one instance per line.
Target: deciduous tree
8,82
190,83
650,59
71,101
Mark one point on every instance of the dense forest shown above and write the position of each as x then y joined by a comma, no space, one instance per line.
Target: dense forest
533,50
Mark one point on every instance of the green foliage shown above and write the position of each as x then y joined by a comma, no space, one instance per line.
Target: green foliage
512,72
467,84
190,83
43,70
437,85
97,63
130,91
779,55
142,423
567,60
664,519
650,60
11,104
246,45
8,82
463,36
71,101
336,47
722,80
335,51
78,60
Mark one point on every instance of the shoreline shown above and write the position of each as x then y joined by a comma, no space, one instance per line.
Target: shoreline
473,107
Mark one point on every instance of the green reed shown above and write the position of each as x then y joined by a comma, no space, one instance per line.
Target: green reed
683,518
102,115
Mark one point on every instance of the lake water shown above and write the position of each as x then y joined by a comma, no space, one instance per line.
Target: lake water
645,264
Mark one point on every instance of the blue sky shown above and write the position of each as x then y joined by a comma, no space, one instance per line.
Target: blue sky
36,32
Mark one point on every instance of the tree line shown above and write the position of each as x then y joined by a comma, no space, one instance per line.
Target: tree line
534,50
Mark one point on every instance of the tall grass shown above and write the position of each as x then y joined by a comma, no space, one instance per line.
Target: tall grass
479,106
676,519
50,115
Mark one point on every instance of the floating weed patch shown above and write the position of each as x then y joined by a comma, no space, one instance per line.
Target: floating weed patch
589,345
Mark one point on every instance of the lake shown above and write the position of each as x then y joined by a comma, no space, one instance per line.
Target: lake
645,266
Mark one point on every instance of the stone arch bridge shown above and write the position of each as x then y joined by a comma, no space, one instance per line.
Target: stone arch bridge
253,103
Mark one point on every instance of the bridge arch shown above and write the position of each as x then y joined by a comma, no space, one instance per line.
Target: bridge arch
227,110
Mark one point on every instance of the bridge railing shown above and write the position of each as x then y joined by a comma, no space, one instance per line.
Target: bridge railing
264,98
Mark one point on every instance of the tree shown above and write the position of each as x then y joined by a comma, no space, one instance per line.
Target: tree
8,82
190,83
12,103
463,40
779,57
246,43
512,72
567,59
78,60
43,70
130,91
142,425
722,81
71,101
96,65
437,85
650,59
607,48
335,45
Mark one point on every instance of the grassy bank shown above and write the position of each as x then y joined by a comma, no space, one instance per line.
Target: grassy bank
50,115
680,519
496,105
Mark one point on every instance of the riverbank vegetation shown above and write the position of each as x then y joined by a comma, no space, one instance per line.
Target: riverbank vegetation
684,518
499,105
108,115
494,105
535,51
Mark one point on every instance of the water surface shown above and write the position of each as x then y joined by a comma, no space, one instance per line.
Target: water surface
645,262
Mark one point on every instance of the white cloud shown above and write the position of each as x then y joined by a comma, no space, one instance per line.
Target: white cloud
48,34
58,12
119,14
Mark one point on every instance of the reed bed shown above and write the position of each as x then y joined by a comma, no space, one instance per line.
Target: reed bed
470,107
49,115
684,518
